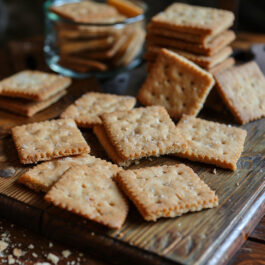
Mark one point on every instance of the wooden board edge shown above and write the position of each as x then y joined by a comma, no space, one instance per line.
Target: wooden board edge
241,230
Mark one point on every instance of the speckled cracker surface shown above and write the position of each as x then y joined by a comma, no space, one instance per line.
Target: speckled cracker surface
33,85
47,140
44,175
166,191
194,19
209,49
26,107
85,11
86,110
211,142
89,192
243,90
177,84
141,132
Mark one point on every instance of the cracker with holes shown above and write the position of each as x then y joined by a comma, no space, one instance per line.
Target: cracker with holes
86,110
243,90
44,175
166,191
27,107
194,19
177,84
91,193
47,140
34,85
141,132
211,142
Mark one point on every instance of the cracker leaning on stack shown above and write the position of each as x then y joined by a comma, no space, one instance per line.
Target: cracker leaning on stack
29,92
98,47
198,33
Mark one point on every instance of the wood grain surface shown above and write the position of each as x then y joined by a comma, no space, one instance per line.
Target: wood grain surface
207,237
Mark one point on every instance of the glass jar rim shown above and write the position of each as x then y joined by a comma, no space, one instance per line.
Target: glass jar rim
127,21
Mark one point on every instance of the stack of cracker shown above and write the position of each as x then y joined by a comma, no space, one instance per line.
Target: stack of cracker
29,92
198,33
102,45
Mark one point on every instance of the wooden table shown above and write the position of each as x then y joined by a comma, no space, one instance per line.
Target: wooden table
27,54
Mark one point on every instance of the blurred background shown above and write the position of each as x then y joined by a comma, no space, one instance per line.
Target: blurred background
20,19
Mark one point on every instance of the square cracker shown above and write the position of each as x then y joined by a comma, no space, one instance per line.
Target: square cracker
243,90
85,11
44,175
203,61
209,49
26,107
194,19
47,140
142,132
91,193
86,110
177,84
34,85
222,66
166,191
211,142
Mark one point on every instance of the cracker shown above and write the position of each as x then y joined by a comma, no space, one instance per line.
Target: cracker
125,7
68,47
78,63
47,140
141,132
89,192
34,85
28,108
194,19
86,110
166,191
227,63
243,90
203,61
85,12
177,84
208,49
44,175
211,142
201,39
102,136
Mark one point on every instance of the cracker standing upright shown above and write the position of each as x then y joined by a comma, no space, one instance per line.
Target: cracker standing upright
177,84
47,140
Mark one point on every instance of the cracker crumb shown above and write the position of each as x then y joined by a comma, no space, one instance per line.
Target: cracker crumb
214,171
10,259
66,253
17,252
35,255
3,245
31,246
53,258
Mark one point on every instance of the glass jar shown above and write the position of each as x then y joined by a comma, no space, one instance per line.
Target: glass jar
102,49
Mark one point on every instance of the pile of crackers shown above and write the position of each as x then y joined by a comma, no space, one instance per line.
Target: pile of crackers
200,34
29,92
95,37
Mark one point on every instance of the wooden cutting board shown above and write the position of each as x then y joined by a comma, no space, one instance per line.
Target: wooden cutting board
206,237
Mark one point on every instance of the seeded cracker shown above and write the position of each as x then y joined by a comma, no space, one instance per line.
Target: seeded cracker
87,109
34,85
243,90
211,142
44,175
47,140
177,84
89,192
166,191
141,132
194,19
26,107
